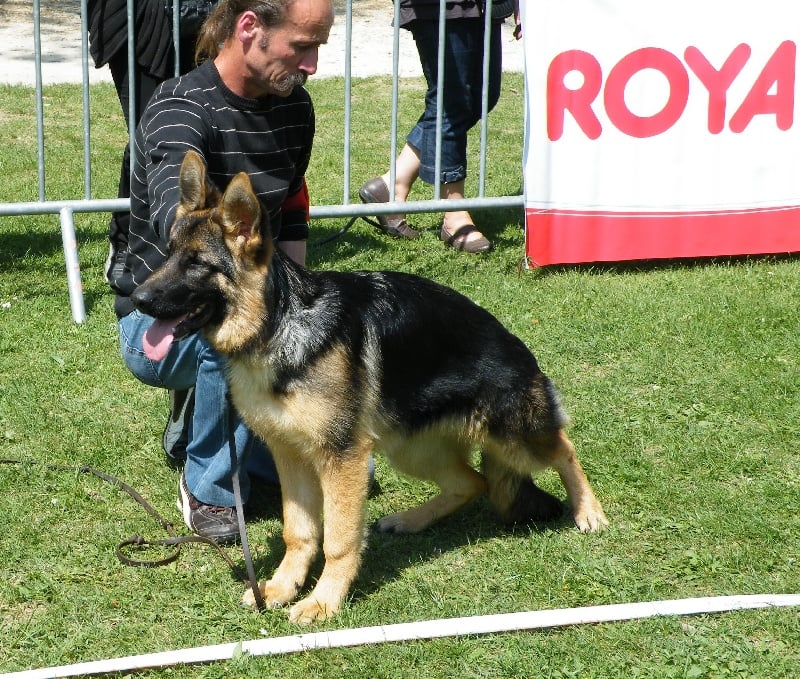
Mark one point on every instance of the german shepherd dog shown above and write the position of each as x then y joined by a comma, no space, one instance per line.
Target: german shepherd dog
327,367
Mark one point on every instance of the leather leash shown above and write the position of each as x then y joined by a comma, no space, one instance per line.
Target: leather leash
237,497
174,540
329,239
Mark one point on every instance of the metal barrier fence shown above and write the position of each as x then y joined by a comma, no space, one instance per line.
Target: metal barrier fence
66,209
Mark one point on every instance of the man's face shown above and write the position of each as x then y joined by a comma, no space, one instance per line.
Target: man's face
282,58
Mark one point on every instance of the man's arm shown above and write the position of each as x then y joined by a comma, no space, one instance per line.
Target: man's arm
295,209
170,127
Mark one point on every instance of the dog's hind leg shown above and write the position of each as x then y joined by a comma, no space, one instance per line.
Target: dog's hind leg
345,483
509,466
444,461
586,510
513,494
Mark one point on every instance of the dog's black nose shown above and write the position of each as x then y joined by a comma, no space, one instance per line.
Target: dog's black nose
142,297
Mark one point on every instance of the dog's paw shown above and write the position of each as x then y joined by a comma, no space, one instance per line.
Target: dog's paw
249,599
389,524
591,519
310,610
274,595
400,523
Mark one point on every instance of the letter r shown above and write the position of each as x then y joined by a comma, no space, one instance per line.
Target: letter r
578,102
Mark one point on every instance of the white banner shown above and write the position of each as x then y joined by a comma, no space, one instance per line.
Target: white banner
652,112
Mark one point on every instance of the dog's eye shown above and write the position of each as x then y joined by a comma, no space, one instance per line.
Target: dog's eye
198,263
192,259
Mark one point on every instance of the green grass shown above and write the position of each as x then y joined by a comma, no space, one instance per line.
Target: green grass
681,378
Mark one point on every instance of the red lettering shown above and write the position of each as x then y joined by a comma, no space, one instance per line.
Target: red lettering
717,82
578,102
618,112
780,72
772,94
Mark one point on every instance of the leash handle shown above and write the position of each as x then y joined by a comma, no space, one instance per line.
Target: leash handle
174,540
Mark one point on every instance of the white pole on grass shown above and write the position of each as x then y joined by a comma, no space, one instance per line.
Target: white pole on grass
413,631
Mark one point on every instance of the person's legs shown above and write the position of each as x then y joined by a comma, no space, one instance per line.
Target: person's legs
456,103
118,65
406,172
376,190
461,96
208,471
462,108
192,362
209,467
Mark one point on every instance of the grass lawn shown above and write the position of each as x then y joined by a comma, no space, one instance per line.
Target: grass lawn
682,380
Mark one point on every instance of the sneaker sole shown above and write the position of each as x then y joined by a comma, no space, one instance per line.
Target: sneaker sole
182,503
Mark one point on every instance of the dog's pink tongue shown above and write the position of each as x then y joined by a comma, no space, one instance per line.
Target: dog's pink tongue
158,337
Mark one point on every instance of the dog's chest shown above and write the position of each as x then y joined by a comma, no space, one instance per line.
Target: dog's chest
298,412
253,387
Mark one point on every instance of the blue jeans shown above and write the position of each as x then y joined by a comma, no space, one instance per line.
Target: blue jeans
462,95
192,362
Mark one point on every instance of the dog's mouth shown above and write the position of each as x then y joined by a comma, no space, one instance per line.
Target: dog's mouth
159,337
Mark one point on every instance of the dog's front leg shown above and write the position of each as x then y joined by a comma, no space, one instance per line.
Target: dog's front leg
344,487
302,522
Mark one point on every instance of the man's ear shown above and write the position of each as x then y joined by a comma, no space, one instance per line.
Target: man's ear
246,27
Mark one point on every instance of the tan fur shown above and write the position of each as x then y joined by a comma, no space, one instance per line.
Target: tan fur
303,418
586,510
238,209
315,482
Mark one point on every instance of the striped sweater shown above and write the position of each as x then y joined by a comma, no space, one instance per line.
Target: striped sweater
269,138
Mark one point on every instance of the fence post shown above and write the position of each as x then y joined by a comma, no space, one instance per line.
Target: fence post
73,266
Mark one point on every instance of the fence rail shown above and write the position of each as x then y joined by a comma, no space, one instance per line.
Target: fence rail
66,209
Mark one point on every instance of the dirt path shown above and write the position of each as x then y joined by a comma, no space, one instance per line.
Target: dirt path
61,43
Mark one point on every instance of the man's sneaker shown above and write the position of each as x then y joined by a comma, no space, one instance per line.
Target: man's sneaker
208,521
176,433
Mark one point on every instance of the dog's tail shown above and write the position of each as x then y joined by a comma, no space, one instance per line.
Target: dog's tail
515,497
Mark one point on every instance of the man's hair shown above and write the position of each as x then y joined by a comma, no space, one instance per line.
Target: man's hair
220,24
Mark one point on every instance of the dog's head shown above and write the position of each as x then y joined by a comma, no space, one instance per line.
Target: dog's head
219,253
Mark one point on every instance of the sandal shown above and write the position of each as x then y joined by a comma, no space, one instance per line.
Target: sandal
458,240
376,191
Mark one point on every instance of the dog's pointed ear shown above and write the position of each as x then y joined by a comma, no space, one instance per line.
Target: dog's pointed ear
240,211
192,184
